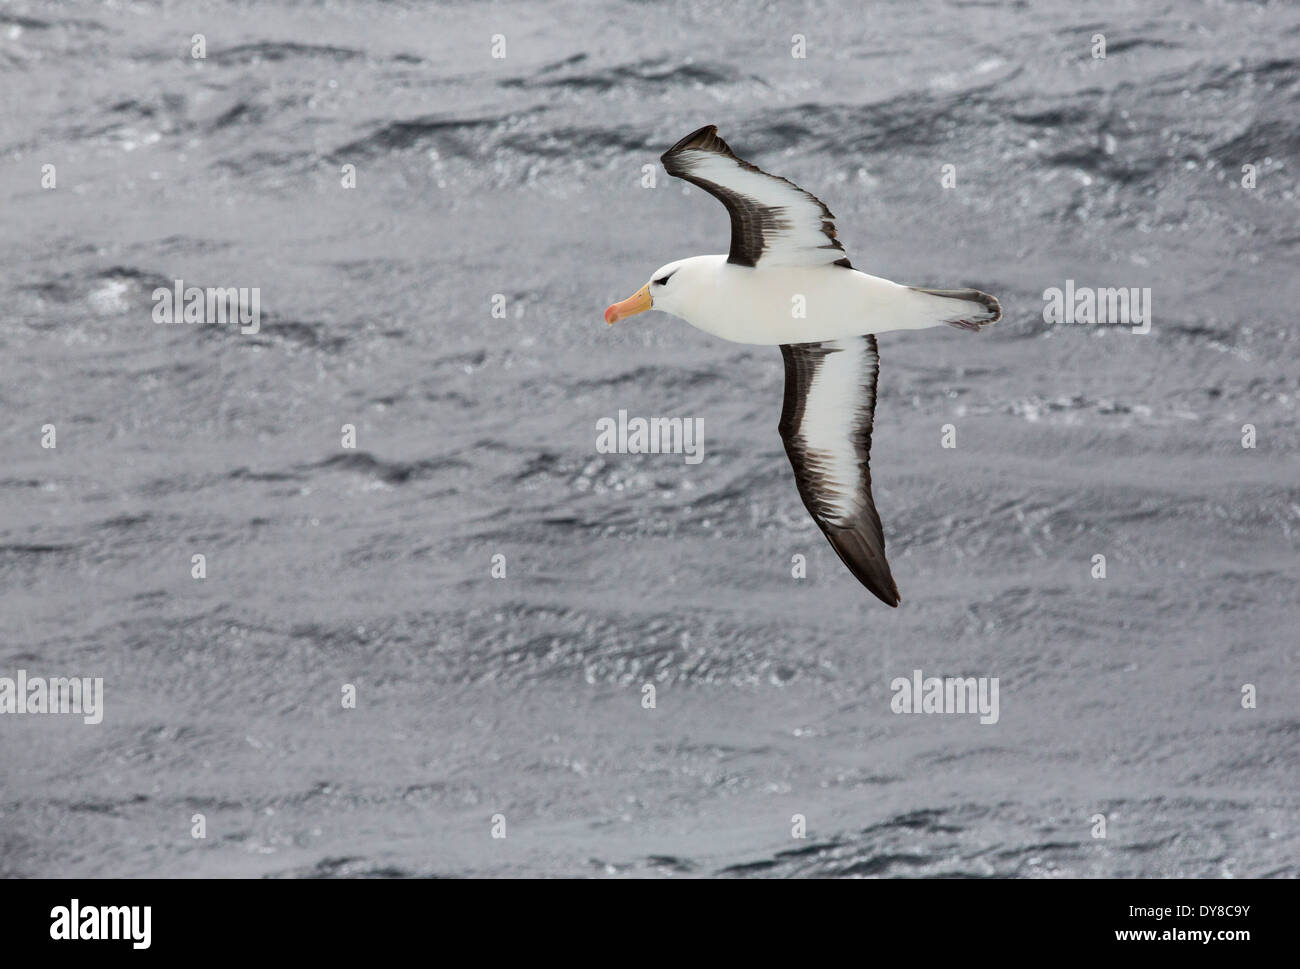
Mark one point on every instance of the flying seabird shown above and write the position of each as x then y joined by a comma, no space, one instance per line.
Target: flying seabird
787,282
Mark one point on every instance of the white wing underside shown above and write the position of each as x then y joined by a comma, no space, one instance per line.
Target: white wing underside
830,418
773,221
830,403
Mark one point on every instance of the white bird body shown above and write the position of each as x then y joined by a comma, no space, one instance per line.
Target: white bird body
775,305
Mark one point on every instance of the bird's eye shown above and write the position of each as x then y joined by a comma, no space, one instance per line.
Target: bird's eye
663,280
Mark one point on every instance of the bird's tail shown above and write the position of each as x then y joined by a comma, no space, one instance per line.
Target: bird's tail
967,309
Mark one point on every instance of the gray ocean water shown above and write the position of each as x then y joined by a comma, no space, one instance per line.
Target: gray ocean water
522,177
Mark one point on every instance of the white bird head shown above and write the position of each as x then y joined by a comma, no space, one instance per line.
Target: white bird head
672,288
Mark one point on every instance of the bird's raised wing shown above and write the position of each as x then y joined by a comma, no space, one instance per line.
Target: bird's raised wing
830,402
773,221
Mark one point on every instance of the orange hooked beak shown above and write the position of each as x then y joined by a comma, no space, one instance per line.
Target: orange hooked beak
638,303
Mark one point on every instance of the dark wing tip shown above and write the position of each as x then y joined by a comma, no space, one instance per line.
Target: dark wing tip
701,139
868,567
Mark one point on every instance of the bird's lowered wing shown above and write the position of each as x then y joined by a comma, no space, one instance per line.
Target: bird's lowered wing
773,221
830,402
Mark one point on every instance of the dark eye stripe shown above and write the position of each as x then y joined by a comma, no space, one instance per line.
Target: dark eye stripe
664,281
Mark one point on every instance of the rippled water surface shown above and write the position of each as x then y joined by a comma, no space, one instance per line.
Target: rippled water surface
522,177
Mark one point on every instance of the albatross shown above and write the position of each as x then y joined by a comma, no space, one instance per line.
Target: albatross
787,282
